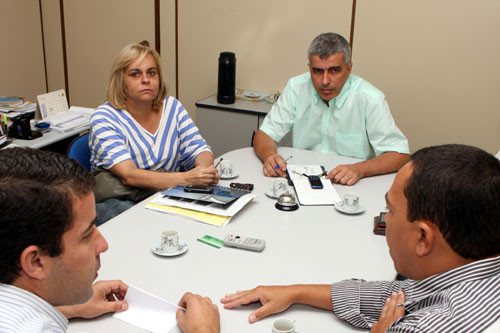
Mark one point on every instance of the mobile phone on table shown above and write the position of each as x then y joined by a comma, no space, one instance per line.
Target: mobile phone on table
199,188
315,182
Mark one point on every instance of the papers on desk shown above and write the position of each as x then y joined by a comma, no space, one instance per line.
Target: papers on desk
201,213
148,311
306,195
74,118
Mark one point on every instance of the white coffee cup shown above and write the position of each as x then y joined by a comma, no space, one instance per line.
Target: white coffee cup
284,326
169,241
351,201
226,168
279,186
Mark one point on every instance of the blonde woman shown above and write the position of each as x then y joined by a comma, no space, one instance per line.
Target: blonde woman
141,135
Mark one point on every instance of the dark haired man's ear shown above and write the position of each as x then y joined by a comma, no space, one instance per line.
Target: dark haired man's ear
427,238
33,263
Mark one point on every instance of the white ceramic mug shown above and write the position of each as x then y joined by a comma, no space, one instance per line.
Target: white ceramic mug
226,168
351,201
169,241
284,326
279,186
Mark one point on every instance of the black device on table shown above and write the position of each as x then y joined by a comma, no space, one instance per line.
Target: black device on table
199,188
379,224
21,127
315,182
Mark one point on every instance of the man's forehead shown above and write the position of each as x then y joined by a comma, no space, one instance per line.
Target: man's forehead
400,181
337,57
79,224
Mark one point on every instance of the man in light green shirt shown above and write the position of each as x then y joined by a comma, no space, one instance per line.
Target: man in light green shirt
331,110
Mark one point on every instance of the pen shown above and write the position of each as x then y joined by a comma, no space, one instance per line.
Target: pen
298,173
218,162
324,173
277,165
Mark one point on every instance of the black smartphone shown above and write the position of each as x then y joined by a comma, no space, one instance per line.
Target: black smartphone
315,182
199,188
381,221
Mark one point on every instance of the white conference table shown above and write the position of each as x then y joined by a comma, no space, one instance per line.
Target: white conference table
315,244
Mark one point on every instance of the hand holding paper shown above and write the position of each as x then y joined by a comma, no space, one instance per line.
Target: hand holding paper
201,315
148,311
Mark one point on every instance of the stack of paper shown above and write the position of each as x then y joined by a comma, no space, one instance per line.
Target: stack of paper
307,195
206,214
74,118
14,111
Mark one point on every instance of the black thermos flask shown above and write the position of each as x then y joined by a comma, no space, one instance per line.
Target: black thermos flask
227,78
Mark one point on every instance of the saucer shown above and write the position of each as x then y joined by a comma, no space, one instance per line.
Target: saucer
183,247
233,175
340,207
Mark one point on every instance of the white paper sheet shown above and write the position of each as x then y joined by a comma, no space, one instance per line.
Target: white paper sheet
148,311
305,194
230,211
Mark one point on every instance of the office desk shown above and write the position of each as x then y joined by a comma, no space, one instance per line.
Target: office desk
49,138
315,244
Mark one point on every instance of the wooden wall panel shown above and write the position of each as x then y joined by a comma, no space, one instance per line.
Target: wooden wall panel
270,39
96,31
53,44
438,64
21,58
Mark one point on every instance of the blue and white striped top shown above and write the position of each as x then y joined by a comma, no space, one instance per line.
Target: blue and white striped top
22,311
115,136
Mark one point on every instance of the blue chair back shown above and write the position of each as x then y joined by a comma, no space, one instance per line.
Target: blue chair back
80,151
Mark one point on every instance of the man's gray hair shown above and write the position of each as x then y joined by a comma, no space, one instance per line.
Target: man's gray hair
329,43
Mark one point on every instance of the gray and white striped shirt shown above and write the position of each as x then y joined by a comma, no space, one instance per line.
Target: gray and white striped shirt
22,311
464,299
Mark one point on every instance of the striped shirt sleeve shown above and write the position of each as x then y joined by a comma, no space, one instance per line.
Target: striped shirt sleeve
108,140
191,142
359,302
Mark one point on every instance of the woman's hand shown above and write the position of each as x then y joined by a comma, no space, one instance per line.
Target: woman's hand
202,175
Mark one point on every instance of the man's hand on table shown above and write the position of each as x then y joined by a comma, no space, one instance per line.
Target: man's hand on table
201,315
345,174
270,164
274,299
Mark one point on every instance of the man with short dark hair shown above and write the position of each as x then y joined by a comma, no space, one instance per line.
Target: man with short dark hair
443,234
332,110
50,248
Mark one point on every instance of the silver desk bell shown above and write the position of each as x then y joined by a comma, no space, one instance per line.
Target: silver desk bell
287,202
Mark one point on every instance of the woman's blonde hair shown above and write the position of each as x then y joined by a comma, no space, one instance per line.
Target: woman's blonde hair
116,92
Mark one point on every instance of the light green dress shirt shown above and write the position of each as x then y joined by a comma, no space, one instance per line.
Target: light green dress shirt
356,123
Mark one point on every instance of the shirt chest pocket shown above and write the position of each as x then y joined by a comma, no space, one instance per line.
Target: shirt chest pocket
350,144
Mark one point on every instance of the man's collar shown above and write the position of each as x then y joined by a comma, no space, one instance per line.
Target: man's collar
340,99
